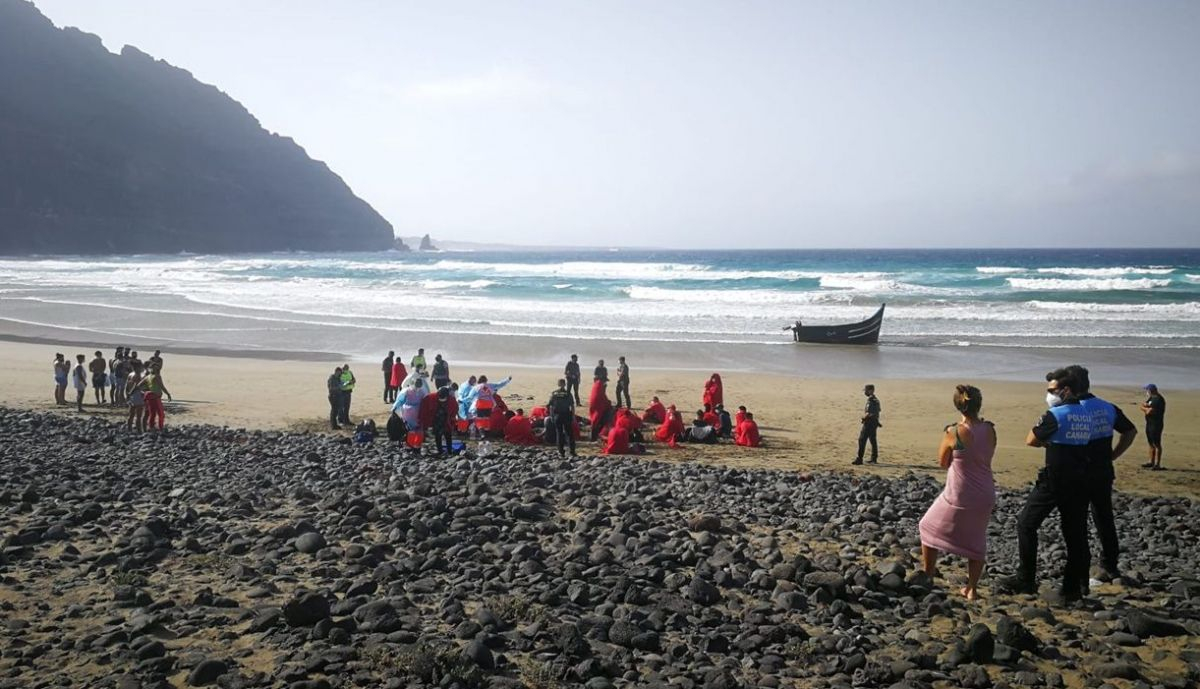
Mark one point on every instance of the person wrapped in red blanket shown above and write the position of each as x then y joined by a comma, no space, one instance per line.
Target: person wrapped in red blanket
599,408
714,392
672,428
655,413
519,430
746,433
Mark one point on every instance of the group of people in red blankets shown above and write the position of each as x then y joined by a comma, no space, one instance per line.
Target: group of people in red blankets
621,429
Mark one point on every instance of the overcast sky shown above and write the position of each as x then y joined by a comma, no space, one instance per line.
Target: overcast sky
705,124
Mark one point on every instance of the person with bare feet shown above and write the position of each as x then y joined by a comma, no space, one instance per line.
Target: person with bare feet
957,520
135,398
1155,410
99,367
62,371
79,376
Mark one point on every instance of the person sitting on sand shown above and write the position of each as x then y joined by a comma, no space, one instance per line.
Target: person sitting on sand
599,408
740,416
957,520
618,443
701,431
655,412
726,427
519,430
712,419
62,371
714,391
746,434
672,428
626,419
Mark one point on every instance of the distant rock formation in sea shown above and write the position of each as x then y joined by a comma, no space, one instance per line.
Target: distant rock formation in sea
106,153
427,244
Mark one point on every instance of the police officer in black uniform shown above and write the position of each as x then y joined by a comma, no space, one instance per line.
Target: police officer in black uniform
334,384
870,424
1065,431
571,373
562,416
1107,420
387,377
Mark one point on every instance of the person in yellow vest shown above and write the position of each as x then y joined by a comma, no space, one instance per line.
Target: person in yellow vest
347,380
418,361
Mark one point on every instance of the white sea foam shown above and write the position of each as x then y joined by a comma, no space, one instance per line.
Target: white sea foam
1109,272
999,270
1101,285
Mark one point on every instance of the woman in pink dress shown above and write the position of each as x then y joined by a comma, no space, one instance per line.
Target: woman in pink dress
957,520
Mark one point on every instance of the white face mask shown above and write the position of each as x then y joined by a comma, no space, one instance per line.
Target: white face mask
1053,400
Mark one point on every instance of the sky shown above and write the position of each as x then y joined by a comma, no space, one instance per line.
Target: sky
694,124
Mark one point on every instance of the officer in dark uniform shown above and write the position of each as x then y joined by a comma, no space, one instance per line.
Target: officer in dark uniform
334,384
571,373
562,416
870,423
387,377
1107,420
1065,432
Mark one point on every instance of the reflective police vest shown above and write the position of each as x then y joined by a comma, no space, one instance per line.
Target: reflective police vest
1102,416
1074,425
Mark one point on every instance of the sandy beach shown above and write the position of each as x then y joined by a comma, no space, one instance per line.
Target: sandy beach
808,423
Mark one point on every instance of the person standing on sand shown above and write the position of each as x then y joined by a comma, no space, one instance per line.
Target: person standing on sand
1064,431
116,382
388,362
399,373
97,367
80,378
347,382
418,362
572,376
155,363
562,415
623,383
135,398
870,424
334,385
957,520
155,388
600,372
62,371
440,372
1155,410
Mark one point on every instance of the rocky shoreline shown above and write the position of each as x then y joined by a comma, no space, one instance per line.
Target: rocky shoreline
207,556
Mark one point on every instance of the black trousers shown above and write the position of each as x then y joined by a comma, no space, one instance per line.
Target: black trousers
564,432
441,437
335,408
1099,494
1056,489
868,434
344,416
623,387
387,387
573,388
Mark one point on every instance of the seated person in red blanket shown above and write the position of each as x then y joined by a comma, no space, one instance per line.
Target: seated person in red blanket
746,433
655,413
519,430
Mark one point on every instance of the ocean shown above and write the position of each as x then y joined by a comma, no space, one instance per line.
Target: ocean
1127,300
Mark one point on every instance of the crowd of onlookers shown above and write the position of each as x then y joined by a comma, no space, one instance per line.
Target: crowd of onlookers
122,381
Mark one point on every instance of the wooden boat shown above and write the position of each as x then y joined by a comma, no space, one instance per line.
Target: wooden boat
863,332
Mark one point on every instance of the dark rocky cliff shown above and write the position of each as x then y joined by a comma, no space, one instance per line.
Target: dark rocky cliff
125,153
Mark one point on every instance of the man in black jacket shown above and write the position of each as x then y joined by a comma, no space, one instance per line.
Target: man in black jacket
571,375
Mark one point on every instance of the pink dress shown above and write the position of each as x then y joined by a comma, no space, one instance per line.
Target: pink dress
957,520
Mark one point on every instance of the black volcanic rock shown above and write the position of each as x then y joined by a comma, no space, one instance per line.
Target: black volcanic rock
427,244
104,153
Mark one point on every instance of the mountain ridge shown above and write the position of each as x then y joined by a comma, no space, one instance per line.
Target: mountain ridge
104,152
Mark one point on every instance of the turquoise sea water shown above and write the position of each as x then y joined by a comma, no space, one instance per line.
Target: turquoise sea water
1111,299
